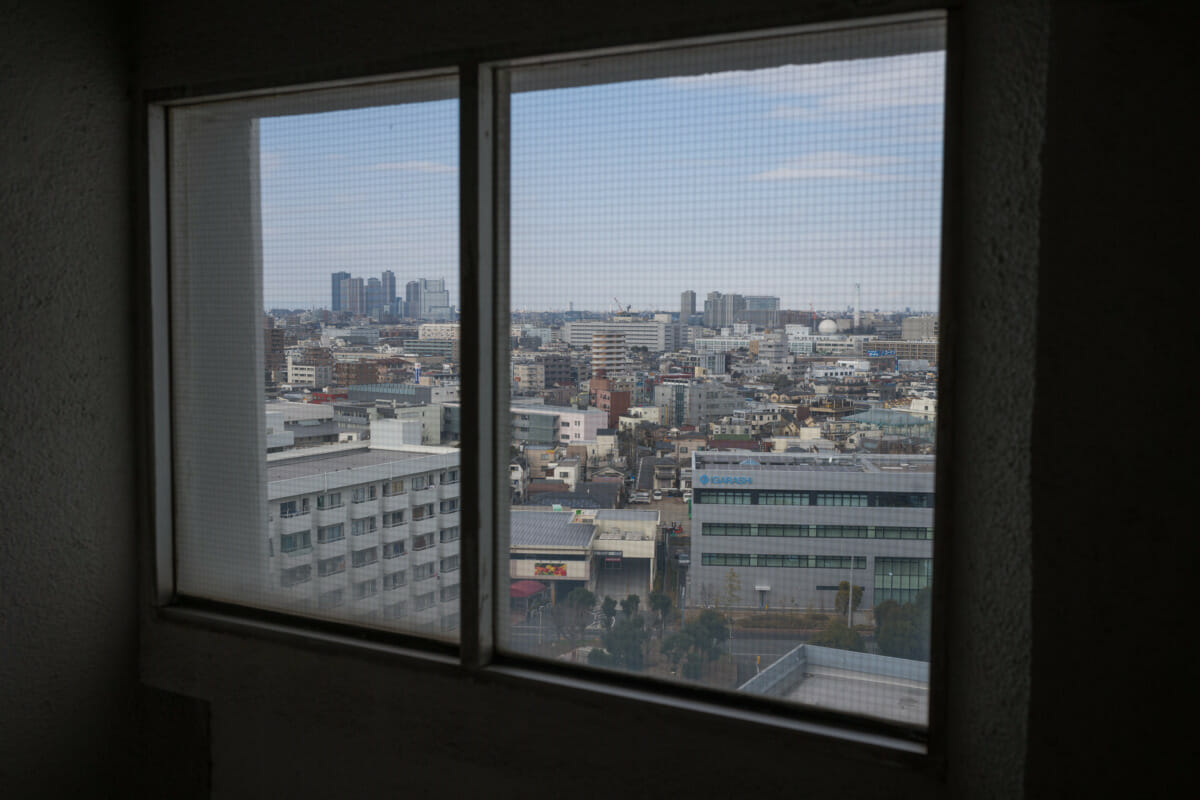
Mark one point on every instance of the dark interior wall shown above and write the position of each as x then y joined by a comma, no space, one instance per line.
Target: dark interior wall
1077,220
1113,444
68,566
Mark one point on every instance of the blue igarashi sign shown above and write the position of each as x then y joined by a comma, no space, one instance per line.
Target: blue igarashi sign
726,480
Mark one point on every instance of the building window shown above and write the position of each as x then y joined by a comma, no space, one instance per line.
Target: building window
294,575
837,127
449,564
327,501
368,555
393,549
424,571
293,508
330,533
331,599
393,518
424,601
331,566
365,588
394,580
293,542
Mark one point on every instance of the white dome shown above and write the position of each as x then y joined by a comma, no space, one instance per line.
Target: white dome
827,326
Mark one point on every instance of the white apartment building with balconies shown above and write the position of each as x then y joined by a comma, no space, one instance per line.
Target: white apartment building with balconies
367,534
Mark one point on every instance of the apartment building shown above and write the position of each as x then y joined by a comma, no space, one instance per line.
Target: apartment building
367,534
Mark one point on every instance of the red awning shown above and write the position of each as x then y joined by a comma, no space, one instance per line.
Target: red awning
521,589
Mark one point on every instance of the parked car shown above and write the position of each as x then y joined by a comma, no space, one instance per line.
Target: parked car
658,494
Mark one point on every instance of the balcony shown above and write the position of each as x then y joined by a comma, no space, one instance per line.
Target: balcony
394,502
293,523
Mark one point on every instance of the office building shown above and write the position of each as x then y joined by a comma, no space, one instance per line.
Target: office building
336,303
687,306
791,527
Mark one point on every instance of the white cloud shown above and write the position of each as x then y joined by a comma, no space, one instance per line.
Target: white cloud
414,166
833,165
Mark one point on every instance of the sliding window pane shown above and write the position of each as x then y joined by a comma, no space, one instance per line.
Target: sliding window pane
314,283
724,267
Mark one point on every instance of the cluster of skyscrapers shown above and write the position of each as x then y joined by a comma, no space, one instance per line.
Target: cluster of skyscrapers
424,298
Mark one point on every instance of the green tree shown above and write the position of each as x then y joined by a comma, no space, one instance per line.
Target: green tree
573,615
709,632
625,643
629,606
839,602
609,609
839,635
731,595
676,646
903,631
661,604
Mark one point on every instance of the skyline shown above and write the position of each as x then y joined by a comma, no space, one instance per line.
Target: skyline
796,182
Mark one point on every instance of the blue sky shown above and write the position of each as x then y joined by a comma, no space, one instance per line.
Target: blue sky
795,181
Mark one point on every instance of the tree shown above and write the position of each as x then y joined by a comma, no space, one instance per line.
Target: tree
839,635
676,646
609,609
573,615
629,606
903,631
625,642
661,604
731,595
709,632
839,602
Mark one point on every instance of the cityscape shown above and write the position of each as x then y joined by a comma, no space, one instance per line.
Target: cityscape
726,492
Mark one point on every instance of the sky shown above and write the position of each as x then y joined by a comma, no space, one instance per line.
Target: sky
794,181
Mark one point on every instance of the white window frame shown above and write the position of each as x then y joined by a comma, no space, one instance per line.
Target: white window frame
483,273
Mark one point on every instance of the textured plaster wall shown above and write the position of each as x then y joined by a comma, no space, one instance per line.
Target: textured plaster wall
68,620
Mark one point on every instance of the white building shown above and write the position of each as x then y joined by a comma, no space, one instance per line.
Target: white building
367,534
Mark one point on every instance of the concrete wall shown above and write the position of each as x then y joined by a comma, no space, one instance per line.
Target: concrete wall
1077,207
68,517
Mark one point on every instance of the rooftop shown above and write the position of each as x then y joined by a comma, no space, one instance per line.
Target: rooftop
548,529
322,463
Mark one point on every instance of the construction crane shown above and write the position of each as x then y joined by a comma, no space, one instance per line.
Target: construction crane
618,302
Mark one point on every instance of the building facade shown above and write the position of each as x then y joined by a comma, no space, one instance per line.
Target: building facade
369,535
791,527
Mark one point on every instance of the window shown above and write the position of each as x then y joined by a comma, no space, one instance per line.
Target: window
364,589
293,508
294,575
330,533
806,166
293,542
331,599
331,566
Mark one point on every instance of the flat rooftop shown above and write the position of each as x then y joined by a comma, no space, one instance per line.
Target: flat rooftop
811,462
880,696
318,464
